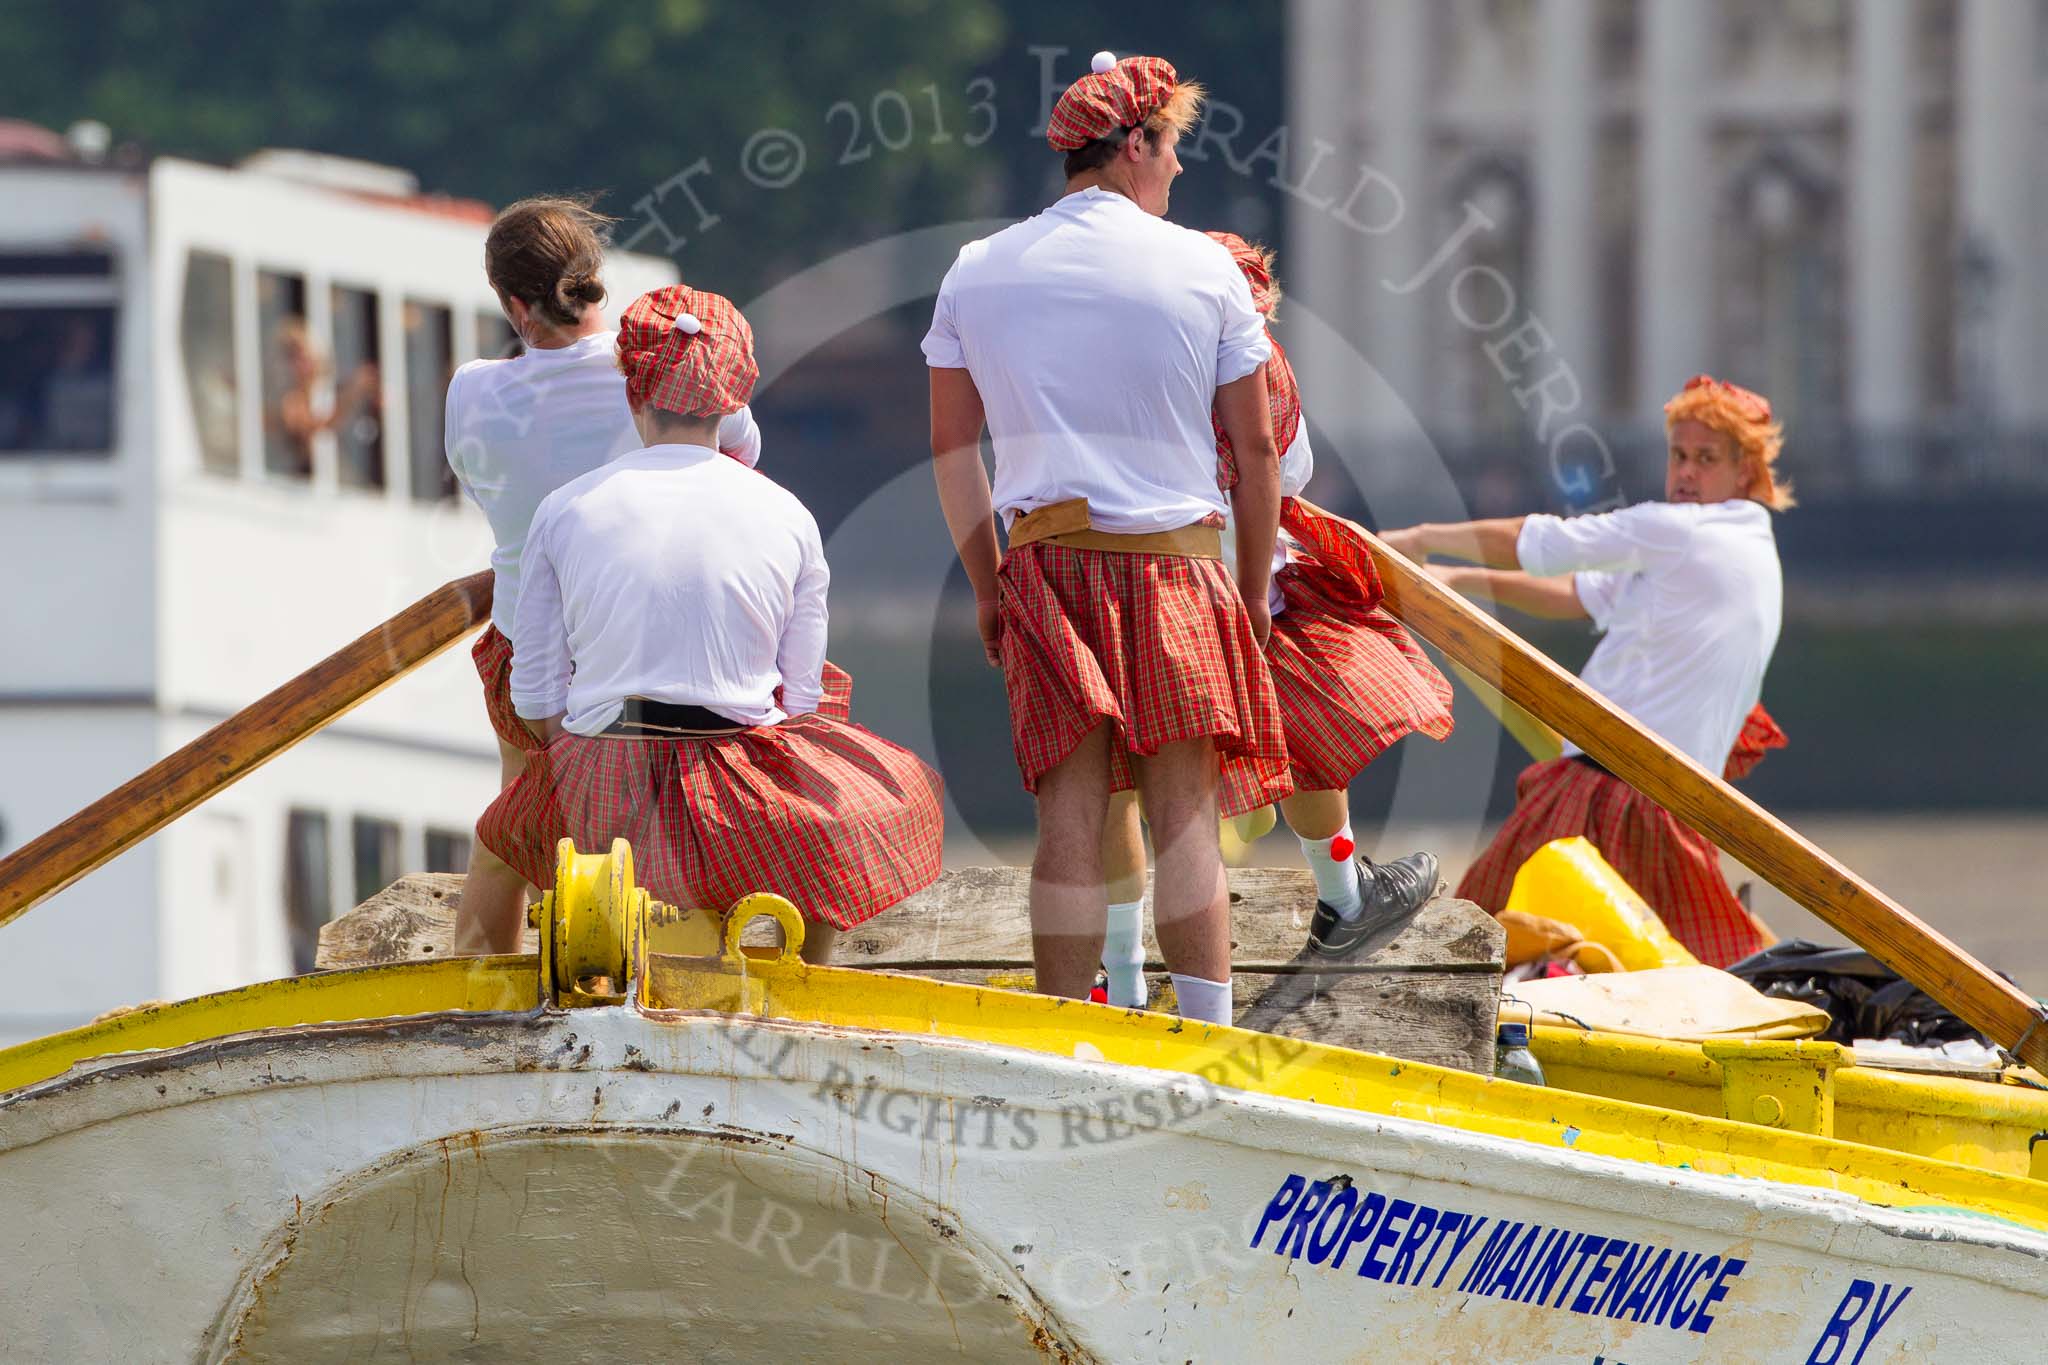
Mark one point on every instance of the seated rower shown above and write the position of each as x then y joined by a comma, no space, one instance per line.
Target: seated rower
1689,594
670,642
517,429
1350,682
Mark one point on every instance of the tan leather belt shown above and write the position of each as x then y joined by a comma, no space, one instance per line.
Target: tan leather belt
1066,523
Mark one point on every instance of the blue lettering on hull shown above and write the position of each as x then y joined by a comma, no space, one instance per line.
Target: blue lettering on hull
1332,1222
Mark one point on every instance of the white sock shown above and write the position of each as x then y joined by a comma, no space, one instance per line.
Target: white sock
1202,999
1336,875
1123,954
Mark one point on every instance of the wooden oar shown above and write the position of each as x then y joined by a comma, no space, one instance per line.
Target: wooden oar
1764,844
243,742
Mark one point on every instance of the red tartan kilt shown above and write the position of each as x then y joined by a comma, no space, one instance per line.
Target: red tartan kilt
492,655
840,821
1160,646
1676,871
1350,679
838,699
1759,735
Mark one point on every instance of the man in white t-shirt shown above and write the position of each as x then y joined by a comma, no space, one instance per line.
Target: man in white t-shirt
1093,339
670,643
1688,596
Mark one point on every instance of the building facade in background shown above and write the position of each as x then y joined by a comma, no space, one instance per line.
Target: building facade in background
1838,204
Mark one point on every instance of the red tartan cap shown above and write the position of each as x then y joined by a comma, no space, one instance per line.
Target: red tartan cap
1114,95
687,352
1257,264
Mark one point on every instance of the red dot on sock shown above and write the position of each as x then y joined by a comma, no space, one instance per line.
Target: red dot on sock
1342,848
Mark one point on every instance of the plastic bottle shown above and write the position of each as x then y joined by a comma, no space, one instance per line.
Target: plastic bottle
1512,1059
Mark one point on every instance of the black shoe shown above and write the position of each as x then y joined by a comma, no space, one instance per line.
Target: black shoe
1394,895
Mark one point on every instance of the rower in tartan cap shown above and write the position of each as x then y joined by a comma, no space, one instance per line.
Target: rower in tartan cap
1350,682
1688,595
517,428
1093,340
671,642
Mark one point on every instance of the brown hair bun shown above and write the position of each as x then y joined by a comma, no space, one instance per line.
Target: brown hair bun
548,253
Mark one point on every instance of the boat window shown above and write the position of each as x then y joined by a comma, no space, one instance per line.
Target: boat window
206,336
73,265
495,339
292,366
447,850
429,364
358,397
308,885
376,855
57,334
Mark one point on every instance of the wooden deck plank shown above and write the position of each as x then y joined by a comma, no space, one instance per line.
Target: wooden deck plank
1431,996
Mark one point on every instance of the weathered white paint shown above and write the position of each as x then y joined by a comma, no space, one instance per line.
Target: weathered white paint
515,1188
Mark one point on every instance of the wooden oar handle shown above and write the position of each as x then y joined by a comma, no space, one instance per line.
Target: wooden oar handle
243,742
1706,803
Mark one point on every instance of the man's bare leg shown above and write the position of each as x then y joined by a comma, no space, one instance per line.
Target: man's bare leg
1067,902
492,912
1123,849
1316,815
1361,905
1123,872
1190,898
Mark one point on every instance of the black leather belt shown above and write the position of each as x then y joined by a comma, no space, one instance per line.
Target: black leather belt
643,716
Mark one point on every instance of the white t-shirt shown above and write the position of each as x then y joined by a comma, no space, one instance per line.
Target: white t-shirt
1297,466
1297,463
518,429
1689,596
675,574
1097,336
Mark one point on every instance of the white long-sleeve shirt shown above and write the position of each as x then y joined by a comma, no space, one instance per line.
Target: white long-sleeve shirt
1097,336
518,429
1689,597
677,575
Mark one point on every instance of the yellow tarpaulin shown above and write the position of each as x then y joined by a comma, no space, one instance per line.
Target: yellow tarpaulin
1684,1004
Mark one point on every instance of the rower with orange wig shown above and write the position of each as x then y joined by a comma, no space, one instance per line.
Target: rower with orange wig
1688,596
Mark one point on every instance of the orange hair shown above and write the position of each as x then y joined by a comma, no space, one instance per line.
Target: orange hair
1183,108
1746,417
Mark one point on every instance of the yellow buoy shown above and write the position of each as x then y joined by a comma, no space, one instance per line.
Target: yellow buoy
1568,880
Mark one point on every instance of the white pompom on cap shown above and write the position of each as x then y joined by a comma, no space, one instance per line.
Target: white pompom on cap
1102,61
687,324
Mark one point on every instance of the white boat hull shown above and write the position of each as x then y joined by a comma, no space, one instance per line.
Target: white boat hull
611,1185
